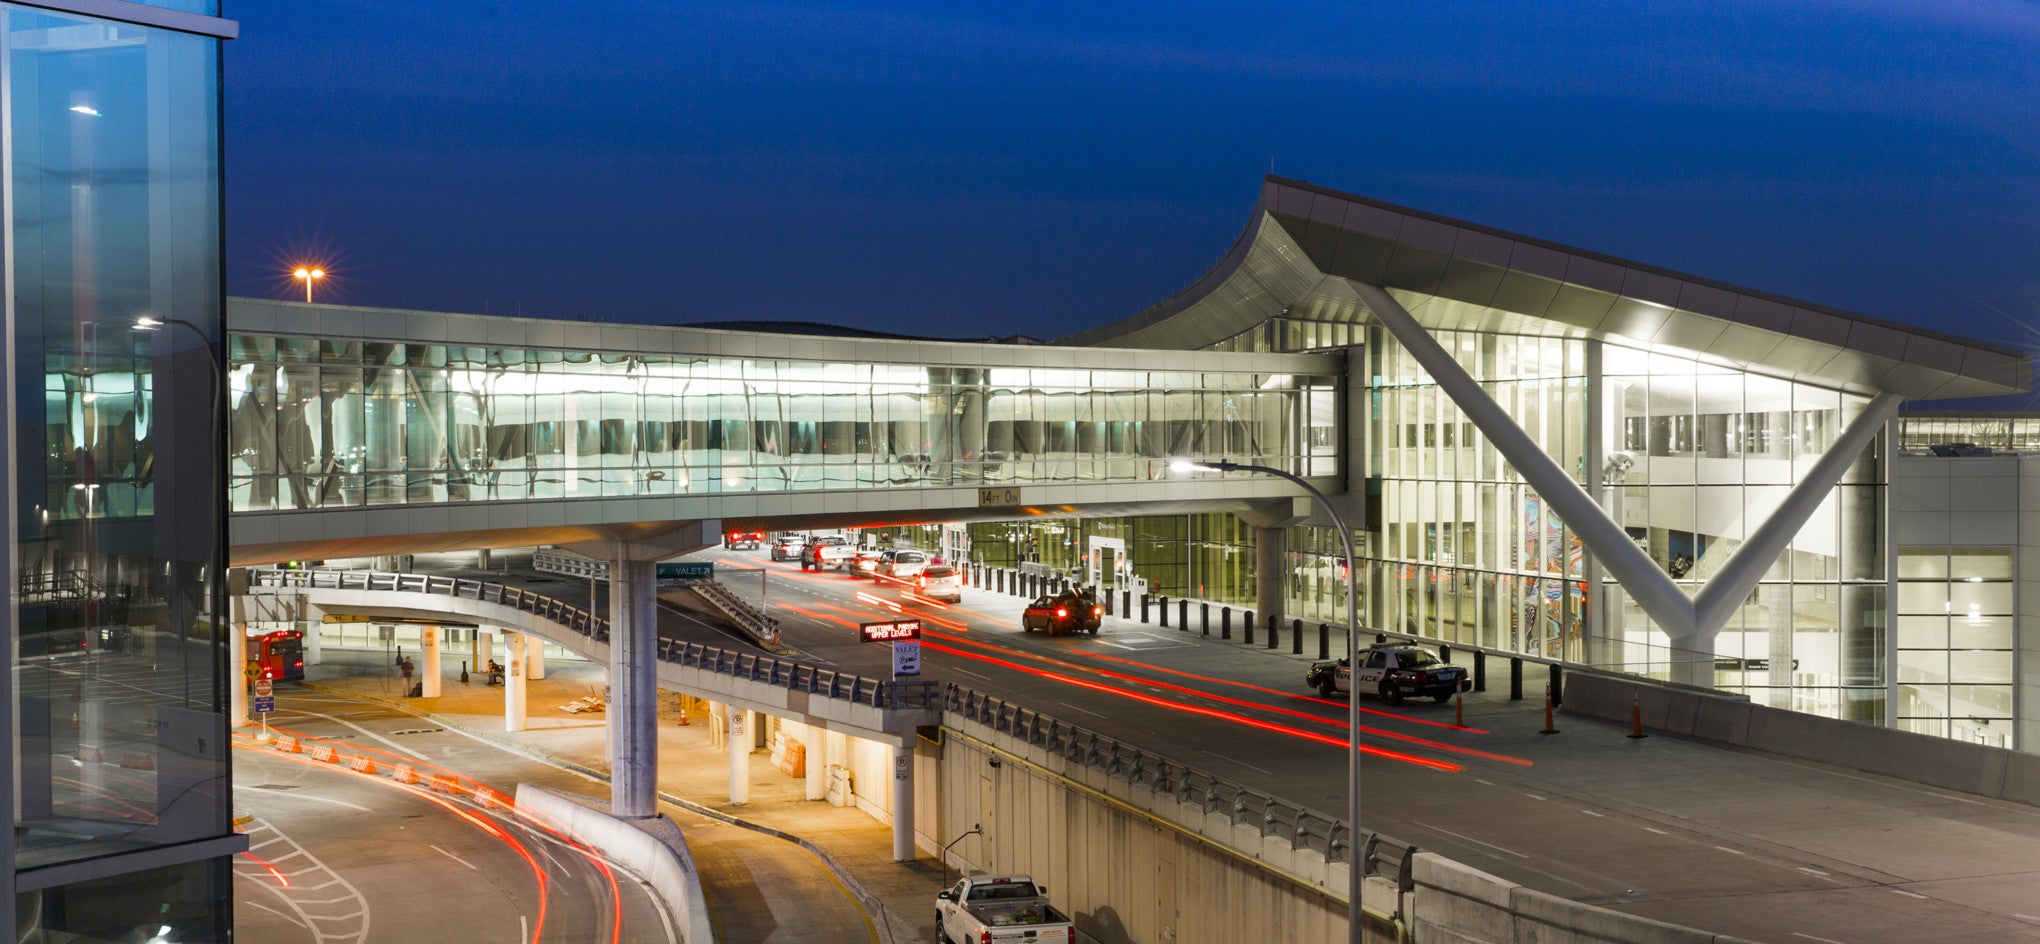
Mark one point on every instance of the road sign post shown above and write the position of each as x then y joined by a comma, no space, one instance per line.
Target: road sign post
265,702
905,636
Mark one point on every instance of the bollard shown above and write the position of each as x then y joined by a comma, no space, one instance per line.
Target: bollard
1126,604
1549,728
1557,684
1296,637
1225,622
1636,712
1324,641
1183,615
1165,614
1272,636
1445,653
1144,609
1204,617
1515,679
1479,671
1248,625
999,580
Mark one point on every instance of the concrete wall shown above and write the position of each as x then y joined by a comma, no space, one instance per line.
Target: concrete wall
1118,857
654,849
1955,765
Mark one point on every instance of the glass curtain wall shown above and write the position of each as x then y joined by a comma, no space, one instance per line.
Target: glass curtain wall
1696,455
112,152
319,424
1956,642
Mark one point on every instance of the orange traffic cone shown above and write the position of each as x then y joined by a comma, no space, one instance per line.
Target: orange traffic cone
683,710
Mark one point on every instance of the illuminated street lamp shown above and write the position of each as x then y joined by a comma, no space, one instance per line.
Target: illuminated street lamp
1355,872
309,276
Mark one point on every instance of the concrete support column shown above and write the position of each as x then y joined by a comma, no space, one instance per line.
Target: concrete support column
633,688
475,650
815,739
482,559
739,742
903,803
513,681
237,664
1269,547
313,633
534,658
428,639
839,756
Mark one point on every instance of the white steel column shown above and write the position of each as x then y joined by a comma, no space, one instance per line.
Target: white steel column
1650,585
534,658
428,639
739,744
513,681
633,687
903,803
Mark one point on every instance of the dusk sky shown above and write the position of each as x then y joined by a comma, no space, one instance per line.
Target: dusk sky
967,170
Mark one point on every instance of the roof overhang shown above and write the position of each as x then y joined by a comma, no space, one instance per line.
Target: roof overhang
1303,243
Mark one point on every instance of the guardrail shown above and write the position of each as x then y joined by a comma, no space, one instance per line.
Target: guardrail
569,564
1302,827
785,673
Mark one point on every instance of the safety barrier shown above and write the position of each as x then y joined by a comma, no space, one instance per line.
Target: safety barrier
786,673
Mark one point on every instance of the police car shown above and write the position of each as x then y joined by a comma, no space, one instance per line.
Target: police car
1392,671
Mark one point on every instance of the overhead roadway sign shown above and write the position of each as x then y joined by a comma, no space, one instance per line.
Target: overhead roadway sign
686,570
996,497
891,632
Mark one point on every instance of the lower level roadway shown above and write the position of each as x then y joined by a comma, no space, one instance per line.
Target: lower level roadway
339,855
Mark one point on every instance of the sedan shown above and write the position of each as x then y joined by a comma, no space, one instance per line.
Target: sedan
1393,672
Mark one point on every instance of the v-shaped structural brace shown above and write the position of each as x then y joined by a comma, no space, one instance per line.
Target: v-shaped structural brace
1690,623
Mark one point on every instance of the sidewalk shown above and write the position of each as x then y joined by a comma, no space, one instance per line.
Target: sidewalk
847,843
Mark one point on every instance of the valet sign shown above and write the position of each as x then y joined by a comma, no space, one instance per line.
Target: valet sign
905,636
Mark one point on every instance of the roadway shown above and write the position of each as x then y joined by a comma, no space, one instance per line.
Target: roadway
1758,846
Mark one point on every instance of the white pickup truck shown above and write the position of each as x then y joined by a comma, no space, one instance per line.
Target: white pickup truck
989,909
827,554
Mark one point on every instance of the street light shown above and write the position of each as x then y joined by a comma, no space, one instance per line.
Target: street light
309,276
1355,873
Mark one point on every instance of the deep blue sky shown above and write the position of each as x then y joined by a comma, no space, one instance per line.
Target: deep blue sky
935,168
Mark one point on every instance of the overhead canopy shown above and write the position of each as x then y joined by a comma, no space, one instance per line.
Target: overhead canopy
1304,242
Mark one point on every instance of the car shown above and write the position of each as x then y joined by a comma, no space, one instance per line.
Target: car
743,540
1062,614
865,564
824,553
903,563
788,547
1394,671
940,582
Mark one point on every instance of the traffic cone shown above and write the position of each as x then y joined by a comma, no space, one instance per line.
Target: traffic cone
683,709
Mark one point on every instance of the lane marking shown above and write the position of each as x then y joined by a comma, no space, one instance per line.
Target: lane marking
1594,814
1658,831
2025,917
1469,839
344,722
1822,940
1731,851
1240,763
289,918
456,858
1901,891
1489,783
1536,797
1084,710
1814,871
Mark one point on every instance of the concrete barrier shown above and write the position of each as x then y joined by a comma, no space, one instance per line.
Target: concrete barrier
1458,904
653,848
1732,719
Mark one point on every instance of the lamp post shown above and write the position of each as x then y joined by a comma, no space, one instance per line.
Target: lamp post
1355,872
309,276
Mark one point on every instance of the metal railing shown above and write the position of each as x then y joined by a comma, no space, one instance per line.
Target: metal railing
1302,827
756,667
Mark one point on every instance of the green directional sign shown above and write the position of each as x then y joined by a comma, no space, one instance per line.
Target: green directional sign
686,570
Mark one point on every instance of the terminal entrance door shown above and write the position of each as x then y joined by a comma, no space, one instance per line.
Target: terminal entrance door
1106,564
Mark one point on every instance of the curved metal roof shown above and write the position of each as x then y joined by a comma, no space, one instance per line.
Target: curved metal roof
1304,242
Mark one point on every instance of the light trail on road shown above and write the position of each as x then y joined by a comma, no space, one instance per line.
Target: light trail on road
1274,691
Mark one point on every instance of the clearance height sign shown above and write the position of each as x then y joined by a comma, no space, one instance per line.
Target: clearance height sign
905,636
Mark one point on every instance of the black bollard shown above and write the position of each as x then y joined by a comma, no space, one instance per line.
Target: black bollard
1324,641
1126,604
1273,637
1557,684
1248,625
1479,671
1296,637
1515,679
463,672
1144,608
1165,614
1225,622
1183,615
1204,617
